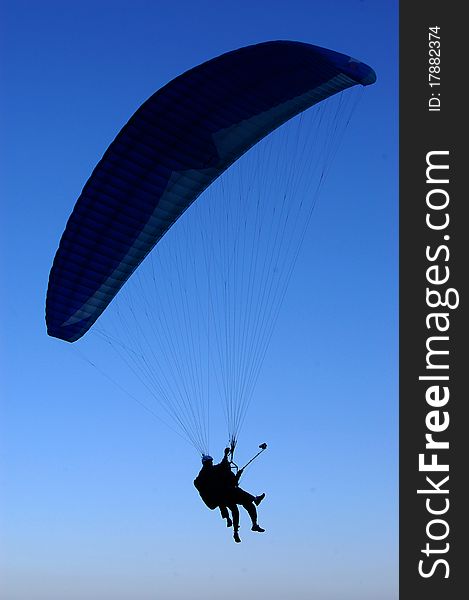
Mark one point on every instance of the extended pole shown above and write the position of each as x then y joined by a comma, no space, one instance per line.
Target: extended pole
262,448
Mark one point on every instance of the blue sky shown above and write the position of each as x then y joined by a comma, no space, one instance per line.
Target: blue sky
97,497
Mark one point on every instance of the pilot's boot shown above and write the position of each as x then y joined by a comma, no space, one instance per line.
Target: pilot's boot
258,499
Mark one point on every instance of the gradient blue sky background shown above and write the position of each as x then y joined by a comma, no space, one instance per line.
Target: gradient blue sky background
97,499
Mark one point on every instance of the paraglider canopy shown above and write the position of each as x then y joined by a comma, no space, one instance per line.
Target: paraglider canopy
175,145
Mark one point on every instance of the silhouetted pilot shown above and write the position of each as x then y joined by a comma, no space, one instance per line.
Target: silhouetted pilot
218,486
209,488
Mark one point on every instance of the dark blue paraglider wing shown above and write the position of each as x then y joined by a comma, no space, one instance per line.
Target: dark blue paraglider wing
174,146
